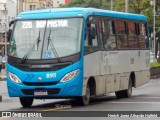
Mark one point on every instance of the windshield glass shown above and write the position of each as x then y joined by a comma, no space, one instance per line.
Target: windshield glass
46,39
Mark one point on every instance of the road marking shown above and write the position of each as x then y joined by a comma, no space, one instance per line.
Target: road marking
147,97
137,102
53,109
2,118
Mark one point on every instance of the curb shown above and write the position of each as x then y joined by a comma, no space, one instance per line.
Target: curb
0,98
155,77
2,78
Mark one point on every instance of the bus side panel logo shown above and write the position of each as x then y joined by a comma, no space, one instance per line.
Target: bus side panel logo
110,58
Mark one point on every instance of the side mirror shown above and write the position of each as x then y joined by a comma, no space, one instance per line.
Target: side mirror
9,33
11,23
92,32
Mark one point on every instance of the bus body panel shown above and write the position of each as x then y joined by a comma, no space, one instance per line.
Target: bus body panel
70,88
115,68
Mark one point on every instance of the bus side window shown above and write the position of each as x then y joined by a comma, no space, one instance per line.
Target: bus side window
91,41
109,40
142,35
132,35
122,41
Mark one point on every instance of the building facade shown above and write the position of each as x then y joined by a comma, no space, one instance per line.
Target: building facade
7,14
57,3
25,5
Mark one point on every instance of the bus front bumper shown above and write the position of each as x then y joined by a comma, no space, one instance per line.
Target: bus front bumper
61,89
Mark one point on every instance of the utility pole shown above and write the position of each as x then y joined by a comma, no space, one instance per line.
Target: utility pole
5,30
111,4
17,6
126,5
154,28
5,11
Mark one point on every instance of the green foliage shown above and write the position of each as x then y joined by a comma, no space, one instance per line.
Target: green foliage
89,3
119,5
135,6
138,6
154,64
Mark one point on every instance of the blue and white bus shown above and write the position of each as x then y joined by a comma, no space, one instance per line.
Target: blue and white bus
77,53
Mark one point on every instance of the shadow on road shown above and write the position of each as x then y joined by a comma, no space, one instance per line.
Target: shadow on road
72,102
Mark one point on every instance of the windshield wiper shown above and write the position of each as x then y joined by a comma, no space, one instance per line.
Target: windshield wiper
29,52
52,46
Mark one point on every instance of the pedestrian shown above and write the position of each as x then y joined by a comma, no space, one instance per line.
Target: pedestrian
1,57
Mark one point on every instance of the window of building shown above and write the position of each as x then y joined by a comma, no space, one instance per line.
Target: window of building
32,7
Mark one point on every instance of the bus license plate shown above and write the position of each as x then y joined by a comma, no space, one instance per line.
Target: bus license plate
38,93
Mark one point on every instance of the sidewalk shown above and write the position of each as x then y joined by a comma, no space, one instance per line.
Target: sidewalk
2,78
2,75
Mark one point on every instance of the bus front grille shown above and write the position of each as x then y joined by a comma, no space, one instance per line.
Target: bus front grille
38,68
39,83
49,91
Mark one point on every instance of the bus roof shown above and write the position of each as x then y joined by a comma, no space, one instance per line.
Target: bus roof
75,12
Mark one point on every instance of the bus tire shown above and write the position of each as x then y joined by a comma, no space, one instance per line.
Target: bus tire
84,100
26,102
119,94
125,93
128,92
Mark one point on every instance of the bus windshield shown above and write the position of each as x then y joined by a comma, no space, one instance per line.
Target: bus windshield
46,39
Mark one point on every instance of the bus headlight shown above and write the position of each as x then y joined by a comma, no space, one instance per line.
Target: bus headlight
14,78
70,76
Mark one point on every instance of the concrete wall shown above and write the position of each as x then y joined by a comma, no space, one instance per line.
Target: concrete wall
155,71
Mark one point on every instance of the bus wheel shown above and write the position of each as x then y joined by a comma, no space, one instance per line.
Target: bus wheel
128,92
26,101
119,94
125,93
84,100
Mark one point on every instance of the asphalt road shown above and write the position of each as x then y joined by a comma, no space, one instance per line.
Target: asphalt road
144,98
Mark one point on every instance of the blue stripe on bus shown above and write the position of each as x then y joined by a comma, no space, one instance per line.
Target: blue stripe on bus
74,12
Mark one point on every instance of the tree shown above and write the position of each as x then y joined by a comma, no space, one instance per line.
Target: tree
119,5
138,6
135,6
104,4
